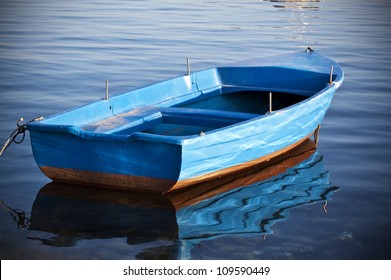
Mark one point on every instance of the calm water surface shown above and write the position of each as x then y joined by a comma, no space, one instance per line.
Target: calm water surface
56,55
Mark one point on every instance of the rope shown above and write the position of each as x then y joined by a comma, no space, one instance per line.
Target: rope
18,216
21,129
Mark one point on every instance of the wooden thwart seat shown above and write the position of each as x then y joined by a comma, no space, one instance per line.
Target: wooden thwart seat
140,120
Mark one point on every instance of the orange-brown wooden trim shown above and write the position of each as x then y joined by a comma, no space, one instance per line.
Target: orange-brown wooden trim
106,180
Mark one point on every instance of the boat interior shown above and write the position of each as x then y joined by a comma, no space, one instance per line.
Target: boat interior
195,116
192,104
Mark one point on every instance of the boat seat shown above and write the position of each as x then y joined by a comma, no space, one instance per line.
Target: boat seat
140,119
206,114
124,120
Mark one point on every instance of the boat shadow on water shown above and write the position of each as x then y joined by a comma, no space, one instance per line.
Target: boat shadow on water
248,203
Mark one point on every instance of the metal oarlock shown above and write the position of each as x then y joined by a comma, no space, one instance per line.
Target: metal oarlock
107,90
331,74
188,65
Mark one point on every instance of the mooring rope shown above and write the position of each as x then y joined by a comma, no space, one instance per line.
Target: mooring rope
21,129
18,215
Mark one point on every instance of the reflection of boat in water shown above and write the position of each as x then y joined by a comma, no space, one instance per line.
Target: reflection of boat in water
242,204
74,213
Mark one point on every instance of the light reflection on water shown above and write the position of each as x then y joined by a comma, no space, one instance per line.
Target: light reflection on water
296,4
57,55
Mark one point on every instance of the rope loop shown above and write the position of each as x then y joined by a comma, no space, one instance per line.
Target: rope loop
20,130
18,215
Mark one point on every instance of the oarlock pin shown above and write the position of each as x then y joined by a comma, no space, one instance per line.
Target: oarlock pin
188,65
107,90
331,74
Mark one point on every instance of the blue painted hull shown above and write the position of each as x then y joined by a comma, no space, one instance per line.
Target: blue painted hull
189,129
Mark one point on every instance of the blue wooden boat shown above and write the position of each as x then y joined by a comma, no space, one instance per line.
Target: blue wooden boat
189,129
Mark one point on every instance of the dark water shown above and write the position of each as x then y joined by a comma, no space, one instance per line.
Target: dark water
56,55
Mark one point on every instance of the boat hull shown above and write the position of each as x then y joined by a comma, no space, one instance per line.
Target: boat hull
147,183
189,129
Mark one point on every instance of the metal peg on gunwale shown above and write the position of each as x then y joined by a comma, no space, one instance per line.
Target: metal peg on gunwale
188,66
331,74
107,90
270,102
